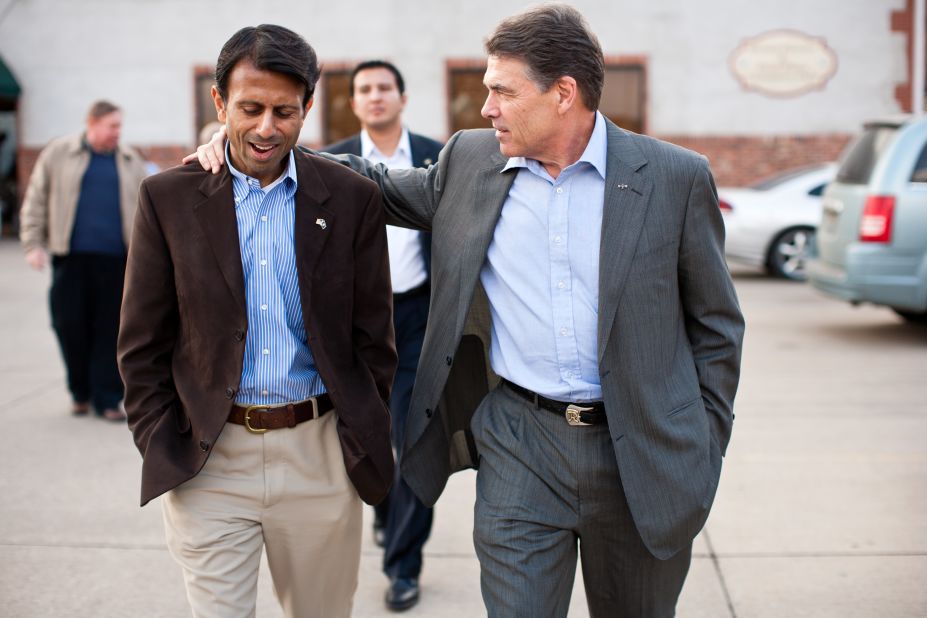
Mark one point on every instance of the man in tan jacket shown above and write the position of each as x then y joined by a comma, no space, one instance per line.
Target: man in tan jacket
79,209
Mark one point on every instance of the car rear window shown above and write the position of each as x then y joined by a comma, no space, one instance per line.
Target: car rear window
920,170
860,156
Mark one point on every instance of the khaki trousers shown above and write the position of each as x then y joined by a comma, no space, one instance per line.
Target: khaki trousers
286,489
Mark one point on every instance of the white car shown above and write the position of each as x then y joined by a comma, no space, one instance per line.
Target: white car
772,223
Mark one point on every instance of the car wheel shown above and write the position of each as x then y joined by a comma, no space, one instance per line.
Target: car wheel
915,317
789,253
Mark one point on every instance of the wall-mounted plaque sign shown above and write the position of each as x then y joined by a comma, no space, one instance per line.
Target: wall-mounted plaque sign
783,63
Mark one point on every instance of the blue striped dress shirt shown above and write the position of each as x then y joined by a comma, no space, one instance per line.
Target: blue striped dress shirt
278,366
541,276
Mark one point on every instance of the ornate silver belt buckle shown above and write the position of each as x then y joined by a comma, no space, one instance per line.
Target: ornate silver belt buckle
573,415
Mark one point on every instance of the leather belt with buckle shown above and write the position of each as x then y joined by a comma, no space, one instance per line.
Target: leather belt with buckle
258,419
576,414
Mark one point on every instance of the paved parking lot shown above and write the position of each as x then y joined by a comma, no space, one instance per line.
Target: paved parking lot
822,510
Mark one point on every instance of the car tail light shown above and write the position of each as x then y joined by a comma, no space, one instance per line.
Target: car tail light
725,206
876,224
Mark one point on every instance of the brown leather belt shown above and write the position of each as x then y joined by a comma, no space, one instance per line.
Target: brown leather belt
258,419
576,414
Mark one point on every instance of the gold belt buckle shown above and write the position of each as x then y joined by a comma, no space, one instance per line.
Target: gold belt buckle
248,426
573,415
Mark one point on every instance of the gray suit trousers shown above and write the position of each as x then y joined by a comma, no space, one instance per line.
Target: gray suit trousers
545,492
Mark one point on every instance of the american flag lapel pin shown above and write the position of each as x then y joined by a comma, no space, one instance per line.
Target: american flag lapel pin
321,223
622,186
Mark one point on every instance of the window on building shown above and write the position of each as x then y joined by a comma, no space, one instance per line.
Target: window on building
338,121
203,79
623,95
466,95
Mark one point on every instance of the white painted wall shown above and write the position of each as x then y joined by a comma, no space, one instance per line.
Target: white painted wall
141,54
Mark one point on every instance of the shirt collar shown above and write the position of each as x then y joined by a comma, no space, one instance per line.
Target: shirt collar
242,184
368,148
595,154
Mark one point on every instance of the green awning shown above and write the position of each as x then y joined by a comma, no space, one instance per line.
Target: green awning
9,87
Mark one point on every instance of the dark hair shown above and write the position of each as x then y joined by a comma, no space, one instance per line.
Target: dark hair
554,40
269,48
378,64
101,108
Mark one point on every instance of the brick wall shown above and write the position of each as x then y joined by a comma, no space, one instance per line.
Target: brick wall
739,161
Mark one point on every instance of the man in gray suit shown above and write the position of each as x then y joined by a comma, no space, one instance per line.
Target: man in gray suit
583,348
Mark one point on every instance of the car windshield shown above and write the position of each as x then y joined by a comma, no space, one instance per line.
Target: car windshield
860,156
774,181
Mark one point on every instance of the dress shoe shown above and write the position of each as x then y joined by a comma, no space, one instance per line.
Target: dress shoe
80,408
379,534
116,415
402,594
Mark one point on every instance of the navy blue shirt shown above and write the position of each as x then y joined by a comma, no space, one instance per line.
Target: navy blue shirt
98,221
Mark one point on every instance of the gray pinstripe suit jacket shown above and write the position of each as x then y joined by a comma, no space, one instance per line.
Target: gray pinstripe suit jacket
669,327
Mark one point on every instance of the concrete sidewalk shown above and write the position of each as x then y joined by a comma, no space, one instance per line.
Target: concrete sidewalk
822,509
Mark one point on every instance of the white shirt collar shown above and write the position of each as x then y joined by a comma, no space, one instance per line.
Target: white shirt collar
369,149
595,154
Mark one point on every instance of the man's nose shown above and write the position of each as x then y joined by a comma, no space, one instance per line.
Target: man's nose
489,110
266,126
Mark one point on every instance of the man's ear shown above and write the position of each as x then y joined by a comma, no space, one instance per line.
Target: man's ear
567,93
220,105
308,106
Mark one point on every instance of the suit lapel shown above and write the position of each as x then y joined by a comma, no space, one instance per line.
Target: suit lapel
216,218
491,188
627,196
312,221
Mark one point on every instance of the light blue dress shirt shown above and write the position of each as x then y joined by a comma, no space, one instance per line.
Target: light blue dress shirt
278,365
542,276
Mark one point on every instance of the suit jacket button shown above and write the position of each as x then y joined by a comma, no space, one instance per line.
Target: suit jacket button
239,335
449,360
204,445
229,392
428,412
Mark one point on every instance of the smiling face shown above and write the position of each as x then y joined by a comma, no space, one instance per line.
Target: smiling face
376,100
264,114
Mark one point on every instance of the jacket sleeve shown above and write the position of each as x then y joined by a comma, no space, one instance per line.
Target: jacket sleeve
33,225
410,196
373,298
148,326
714,323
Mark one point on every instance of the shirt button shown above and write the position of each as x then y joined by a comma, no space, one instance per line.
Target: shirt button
563,332
263,217
561,284
264,392
263,262
557,239
237,199
265,351
263,307
559,190
204,445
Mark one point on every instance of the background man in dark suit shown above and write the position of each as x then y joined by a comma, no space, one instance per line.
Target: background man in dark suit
585,337
402,522
257,348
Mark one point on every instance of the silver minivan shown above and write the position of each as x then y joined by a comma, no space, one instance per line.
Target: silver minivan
872,240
